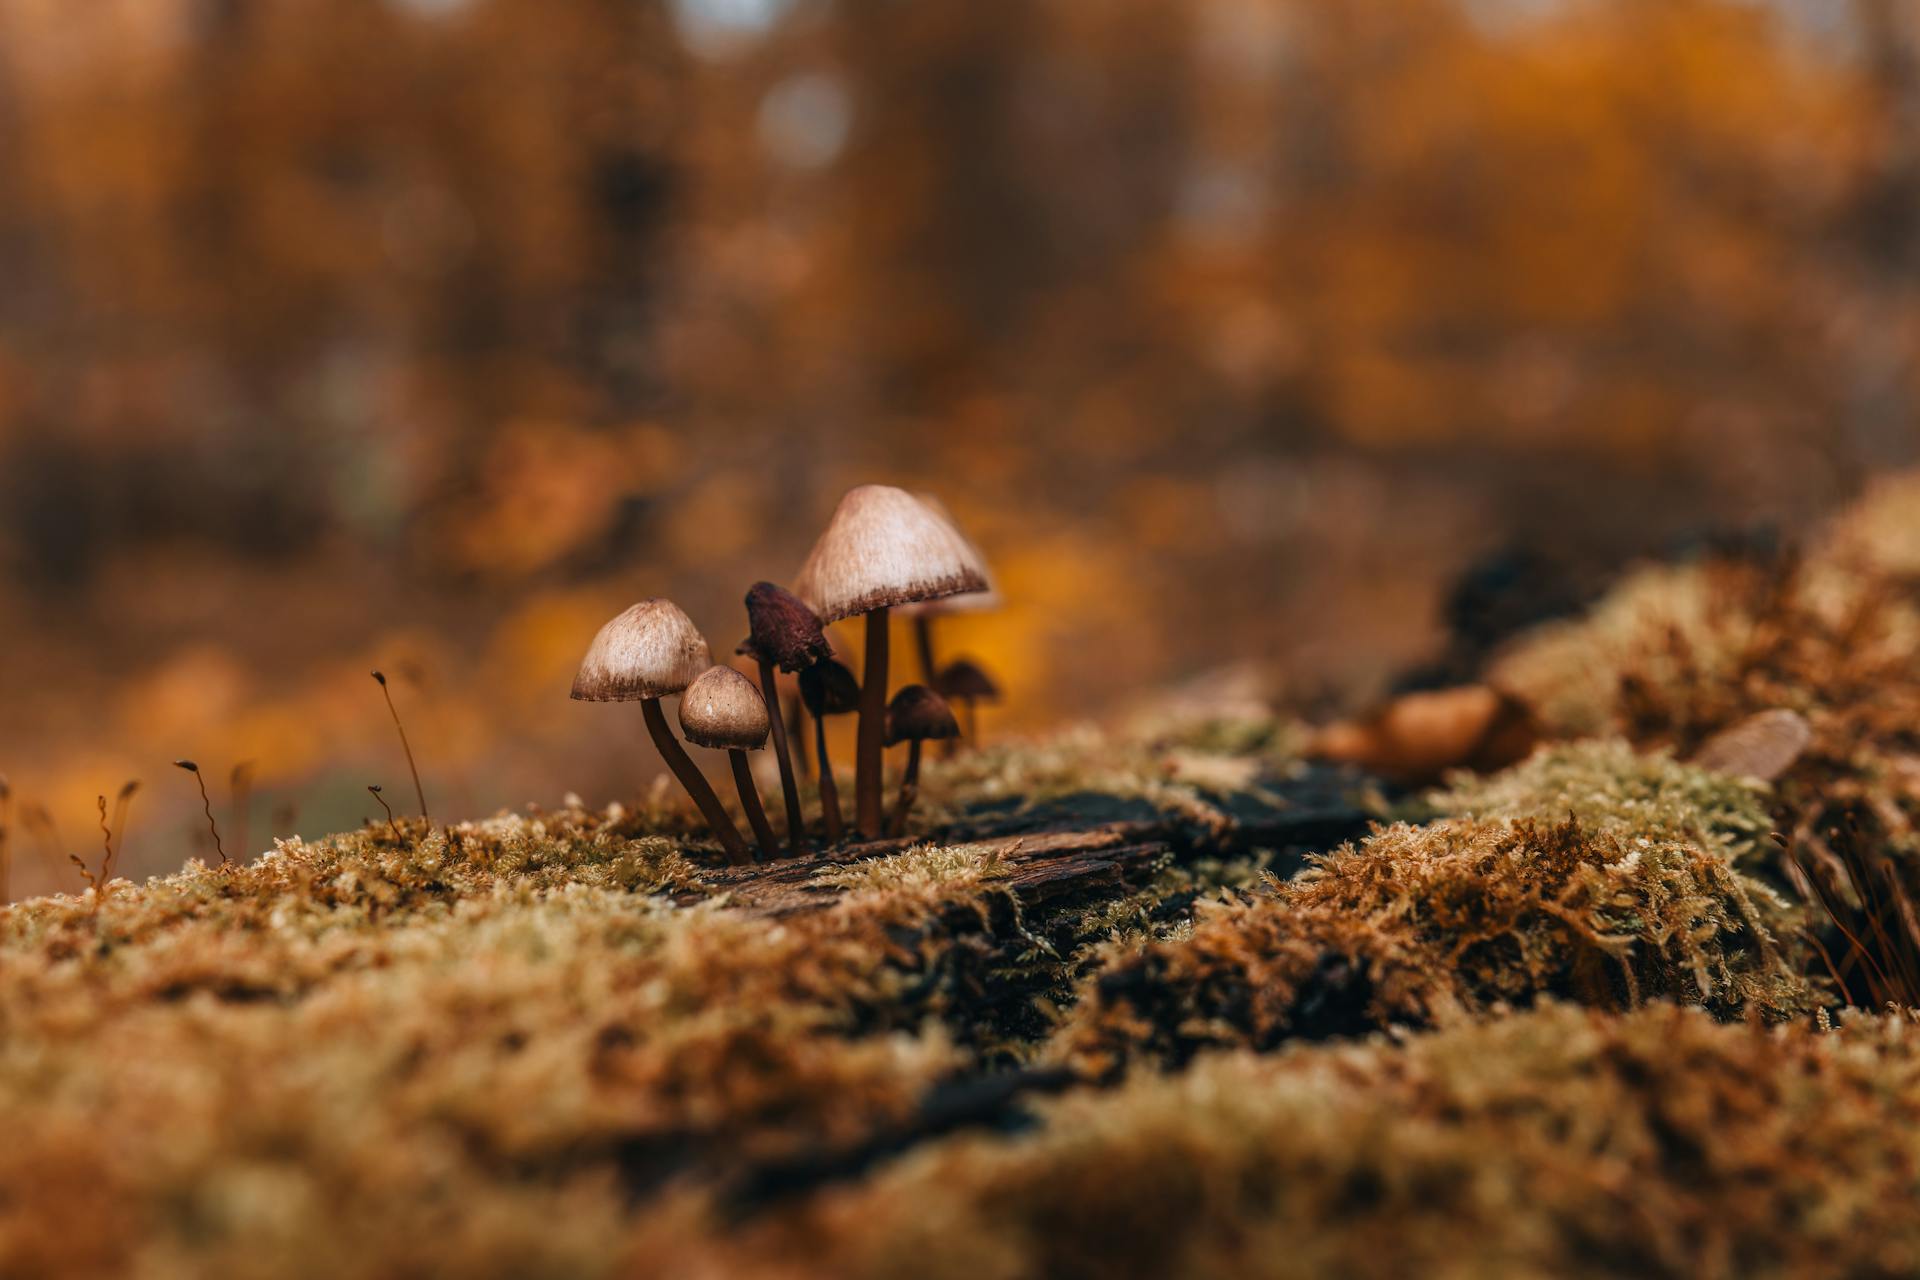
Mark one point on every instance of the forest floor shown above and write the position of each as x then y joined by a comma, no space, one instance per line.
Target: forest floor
1173,996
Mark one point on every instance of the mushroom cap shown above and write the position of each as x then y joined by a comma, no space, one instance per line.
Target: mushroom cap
979,601
1764,745
965,678
829,689
650,651
785,631
885,547
917,713
722,709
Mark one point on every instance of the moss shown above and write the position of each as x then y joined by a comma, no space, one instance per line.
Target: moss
1832,634
1607,786
1561,1142
1428,925
1659,622
552,1043
239,1061
919,872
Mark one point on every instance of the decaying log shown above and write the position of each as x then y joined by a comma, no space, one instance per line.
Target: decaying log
1087,845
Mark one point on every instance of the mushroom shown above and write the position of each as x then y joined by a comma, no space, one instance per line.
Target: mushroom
785,633
916,714
924,612
641,656
882,548
721,709
828,689
966,682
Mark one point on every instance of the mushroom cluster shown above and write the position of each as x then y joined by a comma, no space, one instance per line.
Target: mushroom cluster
883,549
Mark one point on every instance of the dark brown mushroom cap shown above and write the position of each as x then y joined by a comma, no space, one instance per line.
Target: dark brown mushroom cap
784,630
964,678
829,689
917,713
650,651
722,709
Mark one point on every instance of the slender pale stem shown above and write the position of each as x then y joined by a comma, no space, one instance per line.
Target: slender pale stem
829,790
868,803
790,789
750,801
695,783
909,789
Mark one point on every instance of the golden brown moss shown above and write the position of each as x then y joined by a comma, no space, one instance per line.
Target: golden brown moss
507,1048
1427,925
1833,635
1607,786
1561,1142
382,1037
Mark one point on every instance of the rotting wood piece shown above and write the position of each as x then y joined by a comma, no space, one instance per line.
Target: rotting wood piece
1036,868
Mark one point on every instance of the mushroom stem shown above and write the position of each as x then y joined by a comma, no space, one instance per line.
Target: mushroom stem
923,638
973,722
867,800
695,783
909,790
750,801
796,708
829,791
796,825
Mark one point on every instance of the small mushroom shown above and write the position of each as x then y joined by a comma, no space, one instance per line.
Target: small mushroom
882,548
1419,737
966,682
648,652
915,715
828,689
1762,746
722,710
787,634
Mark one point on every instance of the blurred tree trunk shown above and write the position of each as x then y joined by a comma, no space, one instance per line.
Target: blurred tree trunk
1880,423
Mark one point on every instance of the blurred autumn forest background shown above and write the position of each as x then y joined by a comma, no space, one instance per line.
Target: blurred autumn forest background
426,334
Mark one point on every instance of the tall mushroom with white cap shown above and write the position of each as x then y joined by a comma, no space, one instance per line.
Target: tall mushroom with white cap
722,710
882,548
648,652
